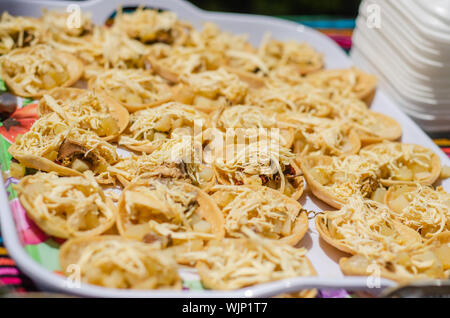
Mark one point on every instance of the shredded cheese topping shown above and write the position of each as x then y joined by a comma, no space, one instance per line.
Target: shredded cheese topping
238,263
213,38
177,158
119,263
367,228
284,98
268,214
72,206
39,68
321,136
49,132
18,32
150,26
347,176
153,126
403,162
44,137
422,208
214,84
300,57
108,49
349,83
370,231
247,116
132,87
167,209
120,51
355,112
254,162
246,121
186,60
86,110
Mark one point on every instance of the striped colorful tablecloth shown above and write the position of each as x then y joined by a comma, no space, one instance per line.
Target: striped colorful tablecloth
338,29
10,276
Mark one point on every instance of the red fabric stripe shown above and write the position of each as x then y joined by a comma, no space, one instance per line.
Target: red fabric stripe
7,262
10,280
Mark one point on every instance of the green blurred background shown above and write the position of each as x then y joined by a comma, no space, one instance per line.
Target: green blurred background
346,8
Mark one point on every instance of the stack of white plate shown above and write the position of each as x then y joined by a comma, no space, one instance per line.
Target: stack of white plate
408,48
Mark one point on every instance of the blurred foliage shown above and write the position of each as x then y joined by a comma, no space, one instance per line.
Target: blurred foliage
283,7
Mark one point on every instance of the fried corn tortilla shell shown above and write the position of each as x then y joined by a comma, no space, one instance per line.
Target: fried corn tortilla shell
366,227
283,98
300,58
134,89
440,246
307,163
367,230
112,49
42,164
116,262
247,120
176,158
174,62
166,209
18,32
254,81
346,81
69,151
259,163
73,69
391,130
295,193
322,136
359,265
264,261
325,234
51,145
348,145
422,208
139,169
371,126
404,163
150,26
164,71
209,91
209,281
70,99
150,128
266,211
134,107
70,251
336,179
434,257
66,207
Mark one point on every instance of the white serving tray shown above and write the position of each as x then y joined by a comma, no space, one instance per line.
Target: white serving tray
323,256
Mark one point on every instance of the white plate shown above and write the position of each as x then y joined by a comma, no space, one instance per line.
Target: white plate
322,255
